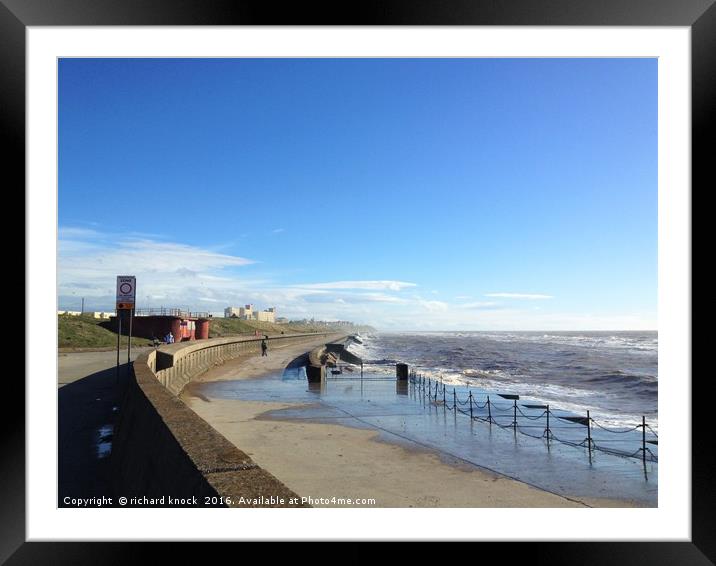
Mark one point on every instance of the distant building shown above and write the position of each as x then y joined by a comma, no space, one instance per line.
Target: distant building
282,320
244,313
268,315
247,312
96,314
102,315
230,312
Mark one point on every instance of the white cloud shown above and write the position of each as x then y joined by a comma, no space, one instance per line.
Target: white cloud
480,305
433,306
278,230
529,296
372,285
89,262
179,275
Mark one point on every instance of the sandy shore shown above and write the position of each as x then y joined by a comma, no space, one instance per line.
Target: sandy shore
321,460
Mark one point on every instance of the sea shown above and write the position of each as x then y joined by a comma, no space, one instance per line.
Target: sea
614,375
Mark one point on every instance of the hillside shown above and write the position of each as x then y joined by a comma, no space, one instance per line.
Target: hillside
233,326
89,332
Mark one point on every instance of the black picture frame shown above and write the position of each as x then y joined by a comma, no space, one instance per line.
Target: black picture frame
698,15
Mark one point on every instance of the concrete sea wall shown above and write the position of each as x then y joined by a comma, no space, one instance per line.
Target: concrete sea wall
162,449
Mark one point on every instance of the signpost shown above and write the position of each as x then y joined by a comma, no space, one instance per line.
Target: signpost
126,291
126,295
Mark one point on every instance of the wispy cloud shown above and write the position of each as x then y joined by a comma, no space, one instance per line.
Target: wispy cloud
180,275
528,296
480,305
434,306
278,230
175,274
89,261
371,285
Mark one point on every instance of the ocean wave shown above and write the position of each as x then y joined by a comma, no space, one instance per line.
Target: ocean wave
614,374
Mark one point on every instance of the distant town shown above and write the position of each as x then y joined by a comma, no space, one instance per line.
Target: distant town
247,312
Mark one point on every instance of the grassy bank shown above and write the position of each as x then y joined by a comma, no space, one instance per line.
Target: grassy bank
89,332
233,326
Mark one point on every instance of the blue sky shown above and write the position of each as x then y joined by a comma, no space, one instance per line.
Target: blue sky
404,193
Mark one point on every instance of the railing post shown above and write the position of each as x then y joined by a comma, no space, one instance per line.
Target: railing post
589,432
514,416
454,399
470,404
643,439
547,431
489,411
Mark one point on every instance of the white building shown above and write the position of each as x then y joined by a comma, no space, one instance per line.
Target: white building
230,312
267,315
247,312
244,313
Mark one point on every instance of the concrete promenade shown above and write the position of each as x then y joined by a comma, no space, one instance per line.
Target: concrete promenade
88,398
290,432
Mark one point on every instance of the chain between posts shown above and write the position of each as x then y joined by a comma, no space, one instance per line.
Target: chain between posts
426,386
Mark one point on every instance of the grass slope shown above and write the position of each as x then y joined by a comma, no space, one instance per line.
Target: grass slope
88,332
232,326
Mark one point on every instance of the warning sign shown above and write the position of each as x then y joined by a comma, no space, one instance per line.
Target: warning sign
126,291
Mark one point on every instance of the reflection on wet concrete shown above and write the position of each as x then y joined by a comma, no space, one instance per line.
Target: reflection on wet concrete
402,415
104,441
317,387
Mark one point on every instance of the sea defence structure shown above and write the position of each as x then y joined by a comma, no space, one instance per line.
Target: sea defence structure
162,449
329,355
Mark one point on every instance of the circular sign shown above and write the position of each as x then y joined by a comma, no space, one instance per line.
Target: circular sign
125,288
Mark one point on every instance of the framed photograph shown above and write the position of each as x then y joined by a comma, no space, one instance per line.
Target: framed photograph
452,224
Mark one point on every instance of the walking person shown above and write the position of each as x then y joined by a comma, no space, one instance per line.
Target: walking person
264,347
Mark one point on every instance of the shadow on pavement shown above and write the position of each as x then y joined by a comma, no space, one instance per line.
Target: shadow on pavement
87,412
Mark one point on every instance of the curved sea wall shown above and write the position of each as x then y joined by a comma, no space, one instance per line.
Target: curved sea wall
164,454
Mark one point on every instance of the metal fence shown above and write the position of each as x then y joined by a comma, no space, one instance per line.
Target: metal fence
539,421
162,311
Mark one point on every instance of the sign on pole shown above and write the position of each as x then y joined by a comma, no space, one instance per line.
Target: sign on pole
126,291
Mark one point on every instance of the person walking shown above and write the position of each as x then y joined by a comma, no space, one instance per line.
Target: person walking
264,347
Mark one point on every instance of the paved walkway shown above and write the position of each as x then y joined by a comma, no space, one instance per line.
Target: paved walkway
88,396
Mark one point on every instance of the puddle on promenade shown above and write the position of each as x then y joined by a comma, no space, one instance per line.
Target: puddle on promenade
403,414
103,443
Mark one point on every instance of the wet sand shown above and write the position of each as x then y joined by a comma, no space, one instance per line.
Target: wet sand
326,460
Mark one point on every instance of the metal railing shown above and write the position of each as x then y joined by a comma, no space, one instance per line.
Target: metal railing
163,311
540,422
